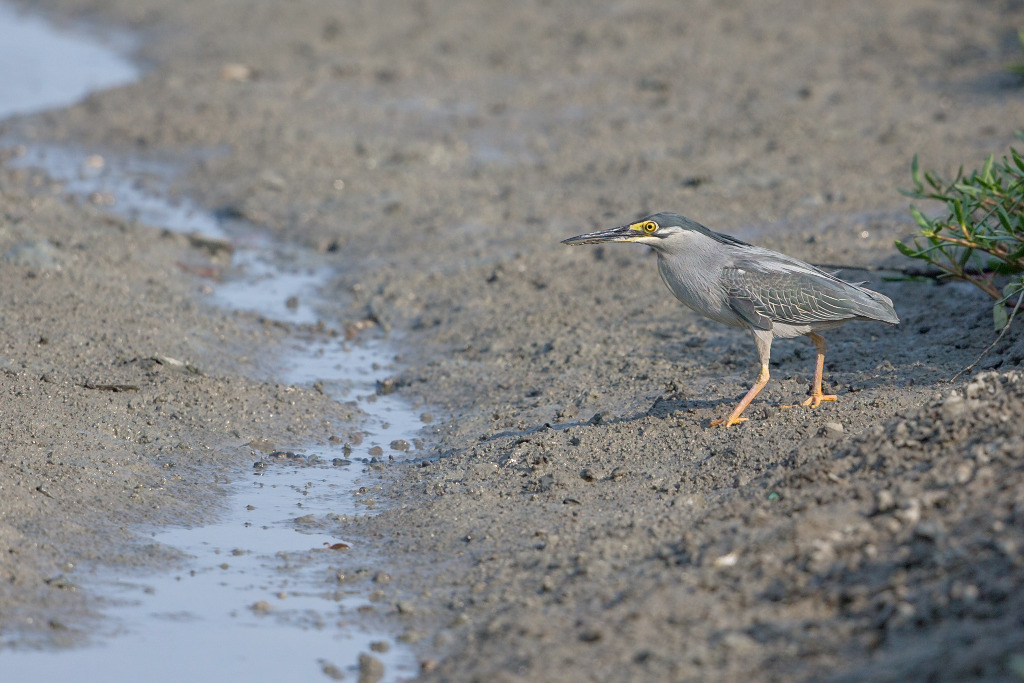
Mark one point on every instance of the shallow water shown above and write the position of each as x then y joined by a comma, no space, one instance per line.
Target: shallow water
247,605
207,609
198,622
42,67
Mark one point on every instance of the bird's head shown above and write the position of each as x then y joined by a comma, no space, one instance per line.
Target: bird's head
656,230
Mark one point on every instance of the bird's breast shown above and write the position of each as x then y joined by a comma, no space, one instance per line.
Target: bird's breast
697,286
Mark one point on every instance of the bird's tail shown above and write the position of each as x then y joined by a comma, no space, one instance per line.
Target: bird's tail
877,306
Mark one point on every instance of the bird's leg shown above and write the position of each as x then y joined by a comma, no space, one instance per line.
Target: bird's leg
816,396
763,339
734,416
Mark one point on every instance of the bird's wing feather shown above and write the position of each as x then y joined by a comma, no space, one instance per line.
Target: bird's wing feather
746,309
792,295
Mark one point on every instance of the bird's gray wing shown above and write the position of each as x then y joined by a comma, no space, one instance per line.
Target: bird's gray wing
762,296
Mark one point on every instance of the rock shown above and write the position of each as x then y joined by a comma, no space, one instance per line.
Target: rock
237,72
832,429
371,669
976,387
953,407
740,644
884,501
567,412
331,671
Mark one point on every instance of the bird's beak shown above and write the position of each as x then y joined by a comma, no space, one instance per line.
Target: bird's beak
623,233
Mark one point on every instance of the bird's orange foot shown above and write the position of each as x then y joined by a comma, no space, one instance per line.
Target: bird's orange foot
727,421
815,399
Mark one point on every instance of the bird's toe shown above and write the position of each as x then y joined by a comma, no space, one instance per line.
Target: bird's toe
816,400
727,421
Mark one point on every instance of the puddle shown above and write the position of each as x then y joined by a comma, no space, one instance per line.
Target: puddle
207,606
266,277
248,606
45,68
198,622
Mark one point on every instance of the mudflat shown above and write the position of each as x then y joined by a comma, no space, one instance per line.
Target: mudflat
576,519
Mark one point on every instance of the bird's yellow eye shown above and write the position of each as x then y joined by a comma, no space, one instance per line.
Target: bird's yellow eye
649,227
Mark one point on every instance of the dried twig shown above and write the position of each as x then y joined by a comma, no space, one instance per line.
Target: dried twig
993,344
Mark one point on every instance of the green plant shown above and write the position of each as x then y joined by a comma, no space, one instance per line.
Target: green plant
980,237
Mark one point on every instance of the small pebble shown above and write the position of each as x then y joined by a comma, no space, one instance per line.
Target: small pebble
400,445
236,72
964,472
727,560
884,501
832,429
387,386
567,412
331,671
371,669
375,451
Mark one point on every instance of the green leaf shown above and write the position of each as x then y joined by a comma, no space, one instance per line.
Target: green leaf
920,219
1001,268
999,316
958,211
907,251
1004,218
965,256
986,170
1015,155
915,174
933,180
